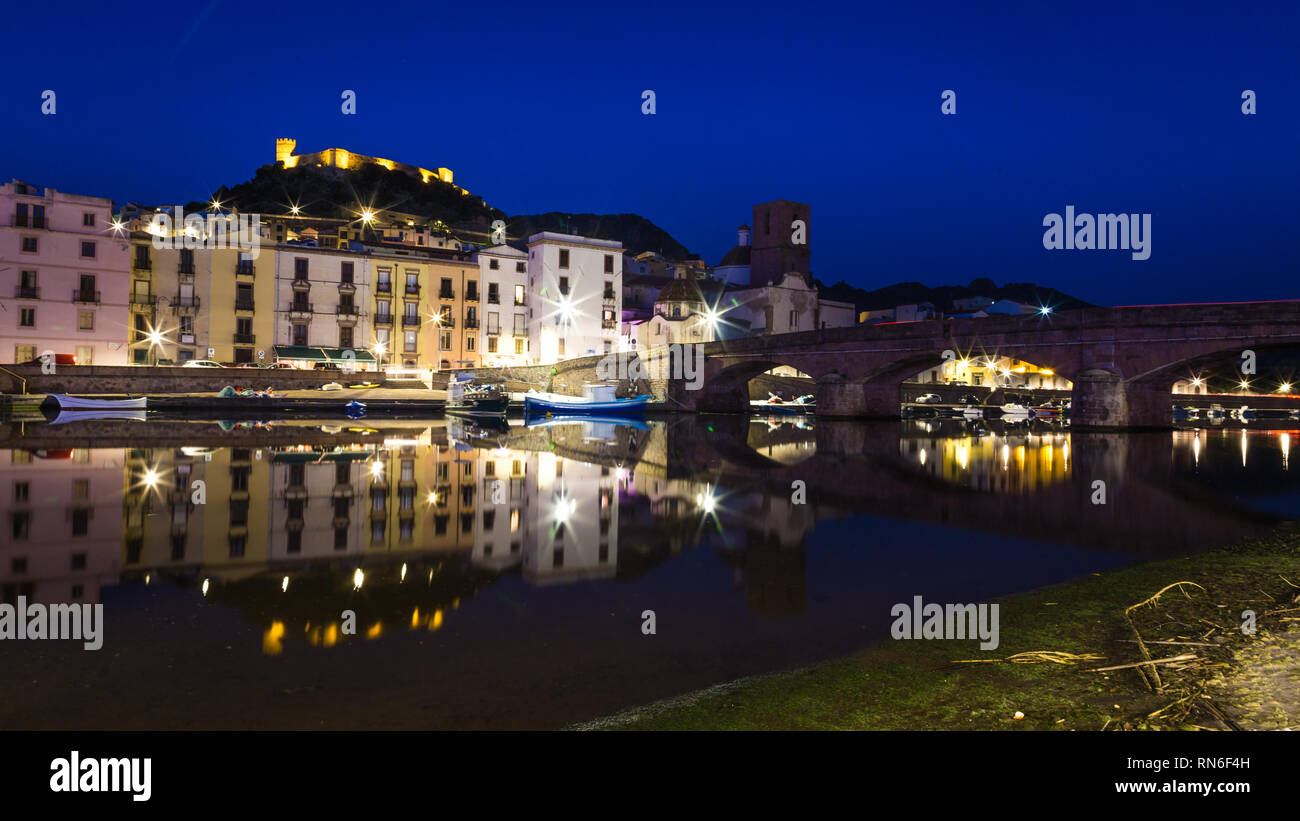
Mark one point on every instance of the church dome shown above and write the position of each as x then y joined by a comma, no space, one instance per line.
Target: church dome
736,256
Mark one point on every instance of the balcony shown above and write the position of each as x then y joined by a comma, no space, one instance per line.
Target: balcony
244,268
301,283
245,339
83,295
444,321
29,221
412,290
346,310
143,301
243,304
185,304
142,264
409,321
383,319
519,303
471,324
608,324
446,293
494,330
347,287
27,292
383,287
471,295
185,269
300,310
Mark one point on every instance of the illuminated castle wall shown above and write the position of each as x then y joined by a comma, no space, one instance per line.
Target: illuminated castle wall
342,158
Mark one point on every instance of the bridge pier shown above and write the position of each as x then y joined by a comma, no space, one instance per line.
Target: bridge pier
1103,400
836,397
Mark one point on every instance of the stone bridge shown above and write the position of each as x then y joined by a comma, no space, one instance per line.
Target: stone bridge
1122,361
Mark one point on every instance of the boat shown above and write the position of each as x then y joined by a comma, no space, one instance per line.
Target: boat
1015,409
775,404
467,396
80,403
596,400
972,413
559,419
355,409
81,415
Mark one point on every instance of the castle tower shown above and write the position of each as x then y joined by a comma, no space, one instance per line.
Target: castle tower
284,148
775,251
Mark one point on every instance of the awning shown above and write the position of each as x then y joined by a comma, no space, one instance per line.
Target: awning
309,354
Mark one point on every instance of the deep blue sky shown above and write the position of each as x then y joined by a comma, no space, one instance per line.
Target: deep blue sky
1130,108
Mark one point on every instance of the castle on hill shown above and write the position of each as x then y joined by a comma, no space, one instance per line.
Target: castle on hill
342,158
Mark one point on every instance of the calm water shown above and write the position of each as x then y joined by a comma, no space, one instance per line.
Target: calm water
499,577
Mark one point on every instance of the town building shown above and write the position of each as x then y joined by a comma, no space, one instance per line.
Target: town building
577,295
503,272
64,261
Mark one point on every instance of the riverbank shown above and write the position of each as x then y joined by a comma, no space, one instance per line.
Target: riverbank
1225,679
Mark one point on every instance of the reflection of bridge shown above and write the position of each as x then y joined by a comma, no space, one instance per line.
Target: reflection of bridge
858,468
1123,361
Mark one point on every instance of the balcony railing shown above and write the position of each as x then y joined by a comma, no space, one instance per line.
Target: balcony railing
243,304
494,330
384,287
244,268
446,293
245,339
412,290
346,310
27,292
383,319
142,264
28,221
144,299
446,322
471,296
471,323
83,295
300,307
409,321
185,302
185,268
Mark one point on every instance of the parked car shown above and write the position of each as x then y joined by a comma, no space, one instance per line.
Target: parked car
970,399
59,359
327,366
202,363
929,399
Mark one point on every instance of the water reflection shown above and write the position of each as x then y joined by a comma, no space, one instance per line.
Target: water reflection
761,542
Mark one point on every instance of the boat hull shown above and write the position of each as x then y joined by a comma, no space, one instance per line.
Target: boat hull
618,407
485,406
75,403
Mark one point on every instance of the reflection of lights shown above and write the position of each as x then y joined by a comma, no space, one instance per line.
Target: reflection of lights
358,578
403,571
1244,384
963,454
1196,449
205,587
922,457
284,585
1243,447
436,621
1006,456
147,577
272,639
1046,310
1286,450
706,500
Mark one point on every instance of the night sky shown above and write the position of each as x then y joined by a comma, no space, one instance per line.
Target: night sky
1126,108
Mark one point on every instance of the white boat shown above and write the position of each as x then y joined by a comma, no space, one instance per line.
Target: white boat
83,415
596,399
1014,409
65,402
972,413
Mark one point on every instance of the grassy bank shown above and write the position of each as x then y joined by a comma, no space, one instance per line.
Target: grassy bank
930,685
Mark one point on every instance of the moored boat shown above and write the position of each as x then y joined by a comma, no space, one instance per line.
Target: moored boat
77,403
468,397
596,400
775,404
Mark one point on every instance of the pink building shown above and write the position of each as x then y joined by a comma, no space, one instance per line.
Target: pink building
64,276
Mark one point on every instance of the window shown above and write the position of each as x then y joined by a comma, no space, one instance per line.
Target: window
412,283
295,541
88,250
27,319
519,345
80,521
493,322
86,320
561,350
444,342
469,342
609,263
88,220
239,513
408,344
519,268
385,281
564,257
519,325
299,268
22,491
444,289
519,295
564,286
345,336
345,272
237,547
81,488
340,538
22,525
494,264
492,344
300,334
29,245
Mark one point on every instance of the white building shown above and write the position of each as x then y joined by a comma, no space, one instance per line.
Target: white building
790,307
503,272
576,299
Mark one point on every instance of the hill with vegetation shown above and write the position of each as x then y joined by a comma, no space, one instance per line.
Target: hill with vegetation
635,232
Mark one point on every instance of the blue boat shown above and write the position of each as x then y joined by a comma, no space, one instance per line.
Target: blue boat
597,400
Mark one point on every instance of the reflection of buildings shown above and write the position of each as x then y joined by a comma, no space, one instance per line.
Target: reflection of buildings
1008,463
61,540
575,521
